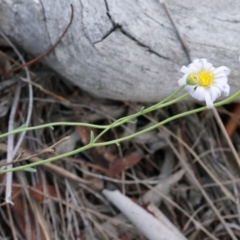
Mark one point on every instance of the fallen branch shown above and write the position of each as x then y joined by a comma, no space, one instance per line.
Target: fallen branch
143,220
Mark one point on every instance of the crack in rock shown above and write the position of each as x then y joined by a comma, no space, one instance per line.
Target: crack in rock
149,49
127,34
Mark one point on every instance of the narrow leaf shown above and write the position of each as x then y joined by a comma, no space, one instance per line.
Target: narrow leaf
91,137
29,169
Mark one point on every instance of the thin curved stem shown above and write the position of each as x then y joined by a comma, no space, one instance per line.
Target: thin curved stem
117,141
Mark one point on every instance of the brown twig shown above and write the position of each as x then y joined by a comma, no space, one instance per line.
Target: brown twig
49,50
22,157
52,94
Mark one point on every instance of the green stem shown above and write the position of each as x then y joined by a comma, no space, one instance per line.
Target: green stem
74,124
170,96
142,112
51,125
91,145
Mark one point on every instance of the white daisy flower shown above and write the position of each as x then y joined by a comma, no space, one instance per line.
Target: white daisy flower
204,82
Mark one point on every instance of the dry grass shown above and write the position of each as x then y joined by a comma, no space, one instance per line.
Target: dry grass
186,168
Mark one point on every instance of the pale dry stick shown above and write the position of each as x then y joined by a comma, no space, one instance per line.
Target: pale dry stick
156,190
162,218
194,179
219,121
10,145
30,106
143,220
163,186
196,223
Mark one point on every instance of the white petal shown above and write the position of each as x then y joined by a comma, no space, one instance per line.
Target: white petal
209,67
182,81
208,100
221,74
220,81
195,66
212,69
220,78
220,84
222,69
190,89
199,94
198,64
185,69
215,92
226,90
205,64
196,61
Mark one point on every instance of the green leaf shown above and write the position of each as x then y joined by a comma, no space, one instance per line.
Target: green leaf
29,169
91,137
133,121
22,126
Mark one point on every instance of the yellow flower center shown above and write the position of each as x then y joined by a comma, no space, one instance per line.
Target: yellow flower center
205,78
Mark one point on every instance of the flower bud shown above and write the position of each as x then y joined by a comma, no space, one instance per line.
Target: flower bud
192,79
